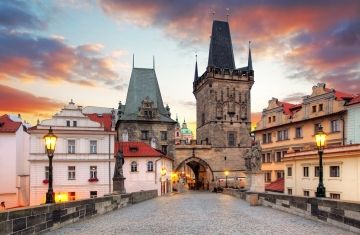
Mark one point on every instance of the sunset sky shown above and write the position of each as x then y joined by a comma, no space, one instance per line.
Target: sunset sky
54,51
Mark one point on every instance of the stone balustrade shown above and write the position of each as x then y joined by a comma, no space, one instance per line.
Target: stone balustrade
35,219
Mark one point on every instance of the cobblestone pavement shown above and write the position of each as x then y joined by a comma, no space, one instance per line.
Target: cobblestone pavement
197,213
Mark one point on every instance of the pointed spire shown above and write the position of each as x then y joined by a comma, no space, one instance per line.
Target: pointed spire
133,60
196,75
250,67
177,119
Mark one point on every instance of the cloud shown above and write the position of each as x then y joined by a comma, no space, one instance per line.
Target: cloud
316,40
294,97
53,60
18,14
14,100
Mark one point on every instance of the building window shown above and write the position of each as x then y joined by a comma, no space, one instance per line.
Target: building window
298,132
164,149
93,146
317,171
335,196
279,174
314,108
320,107
71,196
268,176
71,172
93,194
274,119
289,191
269,137
316,127
279,135
203,118
47,173
93,172
334,171
289,171
268,157
269,119
306,171
278,157
231,139
71,146
263,157
75,123
144,135
306,193
335,126
264,138
163,135
177,134
284,153
67,123
133,166
150,166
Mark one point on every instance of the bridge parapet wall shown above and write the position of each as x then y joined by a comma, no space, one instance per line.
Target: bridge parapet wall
343,214
35,219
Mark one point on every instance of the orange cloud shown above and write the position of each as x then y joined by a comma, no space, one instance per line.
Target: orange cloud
16,101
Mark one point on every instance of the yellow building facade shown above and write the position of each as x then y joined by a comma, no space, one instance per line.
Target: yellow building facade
287,128
341,171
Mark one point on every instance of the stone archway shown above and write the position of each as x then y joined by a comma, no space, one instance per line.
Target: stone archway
201,170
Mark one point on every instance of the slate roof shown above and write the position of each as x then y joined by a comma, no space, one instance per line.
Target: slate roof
143,84
221,53
7,125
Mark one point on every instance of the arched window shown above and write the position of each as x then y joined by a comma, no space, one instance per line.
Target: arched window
125,136
150,166
133,166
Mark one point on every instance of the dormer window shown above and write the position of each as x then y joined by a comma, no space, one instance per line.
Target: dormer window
133,149
314,109
320,107
269,119
147,110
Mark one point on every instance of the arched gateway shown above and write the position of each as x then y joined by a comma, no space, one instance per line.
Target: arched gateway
201,170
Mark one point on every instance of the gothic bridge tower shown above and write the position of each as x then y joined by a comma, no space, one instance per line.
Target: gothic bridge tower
222,94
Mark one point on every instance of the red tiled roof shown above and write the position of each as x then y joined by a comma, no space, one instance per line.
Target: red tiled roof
137,149
355,100
104,119
7,125
339,94
276,186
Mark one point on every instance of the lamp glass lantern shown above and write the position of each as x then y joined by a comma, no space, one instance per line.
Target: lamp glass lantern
50,142
320,138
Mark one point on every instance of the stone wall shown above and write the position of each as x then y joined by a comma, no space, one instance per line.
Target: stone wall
41,218
342,214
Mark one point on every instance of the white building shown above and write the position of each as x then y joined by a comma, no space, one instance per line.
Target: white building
83,162
353,121
145,168
14,173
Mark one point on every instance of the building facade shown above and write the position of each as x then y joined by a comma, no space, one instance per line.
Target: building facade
223,112
286,128
341,167
14,173
353,121
83,162
145,168
144,117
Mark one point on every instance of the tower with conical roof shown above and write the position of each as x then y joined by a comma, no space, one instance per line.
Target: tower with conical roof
144,116
222,94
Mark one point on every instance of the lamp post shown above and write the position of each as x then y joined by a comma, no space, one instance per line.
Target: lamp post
226,175
50,142
320,138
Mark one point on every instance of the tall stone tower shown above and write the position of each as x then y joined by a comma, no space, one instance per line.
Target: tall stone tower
222,95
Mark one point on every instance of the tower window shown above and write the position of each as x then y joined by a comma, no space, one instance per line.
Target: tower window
231,139
203,119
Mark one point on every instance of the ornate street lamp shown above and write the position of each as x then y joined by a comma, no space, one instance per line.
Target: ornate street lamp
226,175
50,142
320,138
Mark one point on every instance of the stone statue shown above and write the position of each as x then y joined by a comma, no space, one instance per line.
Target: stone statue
118,179
253,158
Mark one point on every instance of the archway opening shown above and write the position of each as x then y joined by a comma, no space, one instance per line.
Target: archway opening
194,174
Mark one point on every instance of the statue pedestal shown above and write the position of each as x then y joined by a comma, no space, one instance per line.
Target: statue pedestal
257,182
118,185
